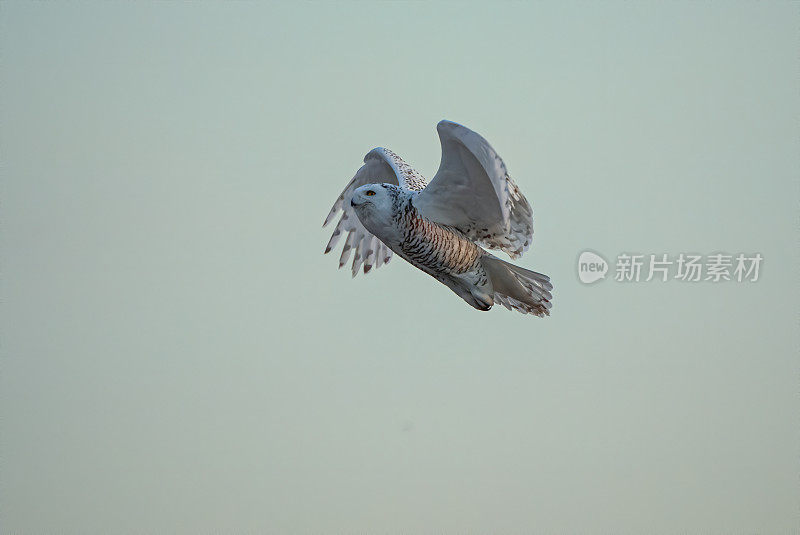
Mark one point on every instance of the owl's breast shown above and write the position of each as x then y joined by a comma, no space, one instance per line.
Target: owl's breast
435,248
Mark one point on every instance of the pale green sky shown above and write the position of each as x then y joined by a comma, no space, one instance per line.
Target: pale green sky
179,357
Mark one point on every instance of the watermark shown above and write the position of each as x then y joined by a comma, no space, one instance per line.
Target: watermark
663,267
591,267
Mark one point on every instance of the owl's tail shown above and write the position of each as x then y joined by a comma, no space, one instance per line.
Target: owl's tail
518,288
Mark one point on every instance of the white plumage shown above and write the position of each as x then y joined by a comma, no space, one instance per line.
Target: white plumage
388,207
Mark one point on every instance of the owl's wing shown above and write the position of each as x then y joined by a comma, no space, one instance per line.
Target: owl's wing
380,166
473,192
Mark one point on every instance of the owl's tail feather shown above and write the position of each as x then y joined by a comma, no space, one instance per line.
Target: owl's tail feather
518,288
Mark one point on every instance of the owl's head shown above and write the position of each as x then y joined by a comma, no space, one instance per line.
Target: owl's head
374,205
373,198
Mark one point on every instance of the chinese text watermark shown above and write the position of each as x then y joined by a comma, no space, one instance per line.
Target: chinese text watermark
717,267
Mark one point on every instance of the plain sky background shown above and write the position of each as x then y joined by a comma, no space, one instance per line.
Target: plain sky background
179,357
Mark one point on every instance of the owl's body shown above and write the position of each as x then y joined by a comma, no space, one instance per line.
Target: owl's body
388,206
435,249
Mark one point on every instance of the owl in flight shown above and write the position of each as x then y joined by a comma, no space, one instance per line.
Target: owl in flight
440,227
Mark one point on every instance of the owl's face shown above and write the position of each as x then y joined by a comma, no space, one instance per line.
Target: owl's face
374,206
372,198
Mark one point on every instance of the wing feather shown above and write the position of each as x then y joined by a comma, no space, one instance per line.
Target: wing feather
358,256
473,193
347,249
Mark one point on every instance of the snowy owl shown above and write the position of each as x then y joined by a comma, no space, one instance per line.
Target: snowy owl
439,227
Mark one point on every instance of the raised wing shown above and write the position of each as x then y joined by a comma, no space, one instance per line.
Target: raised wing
380,166
473,192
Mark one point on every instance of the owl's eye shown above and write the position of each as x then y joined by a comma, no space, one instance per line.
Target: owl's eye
369,193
